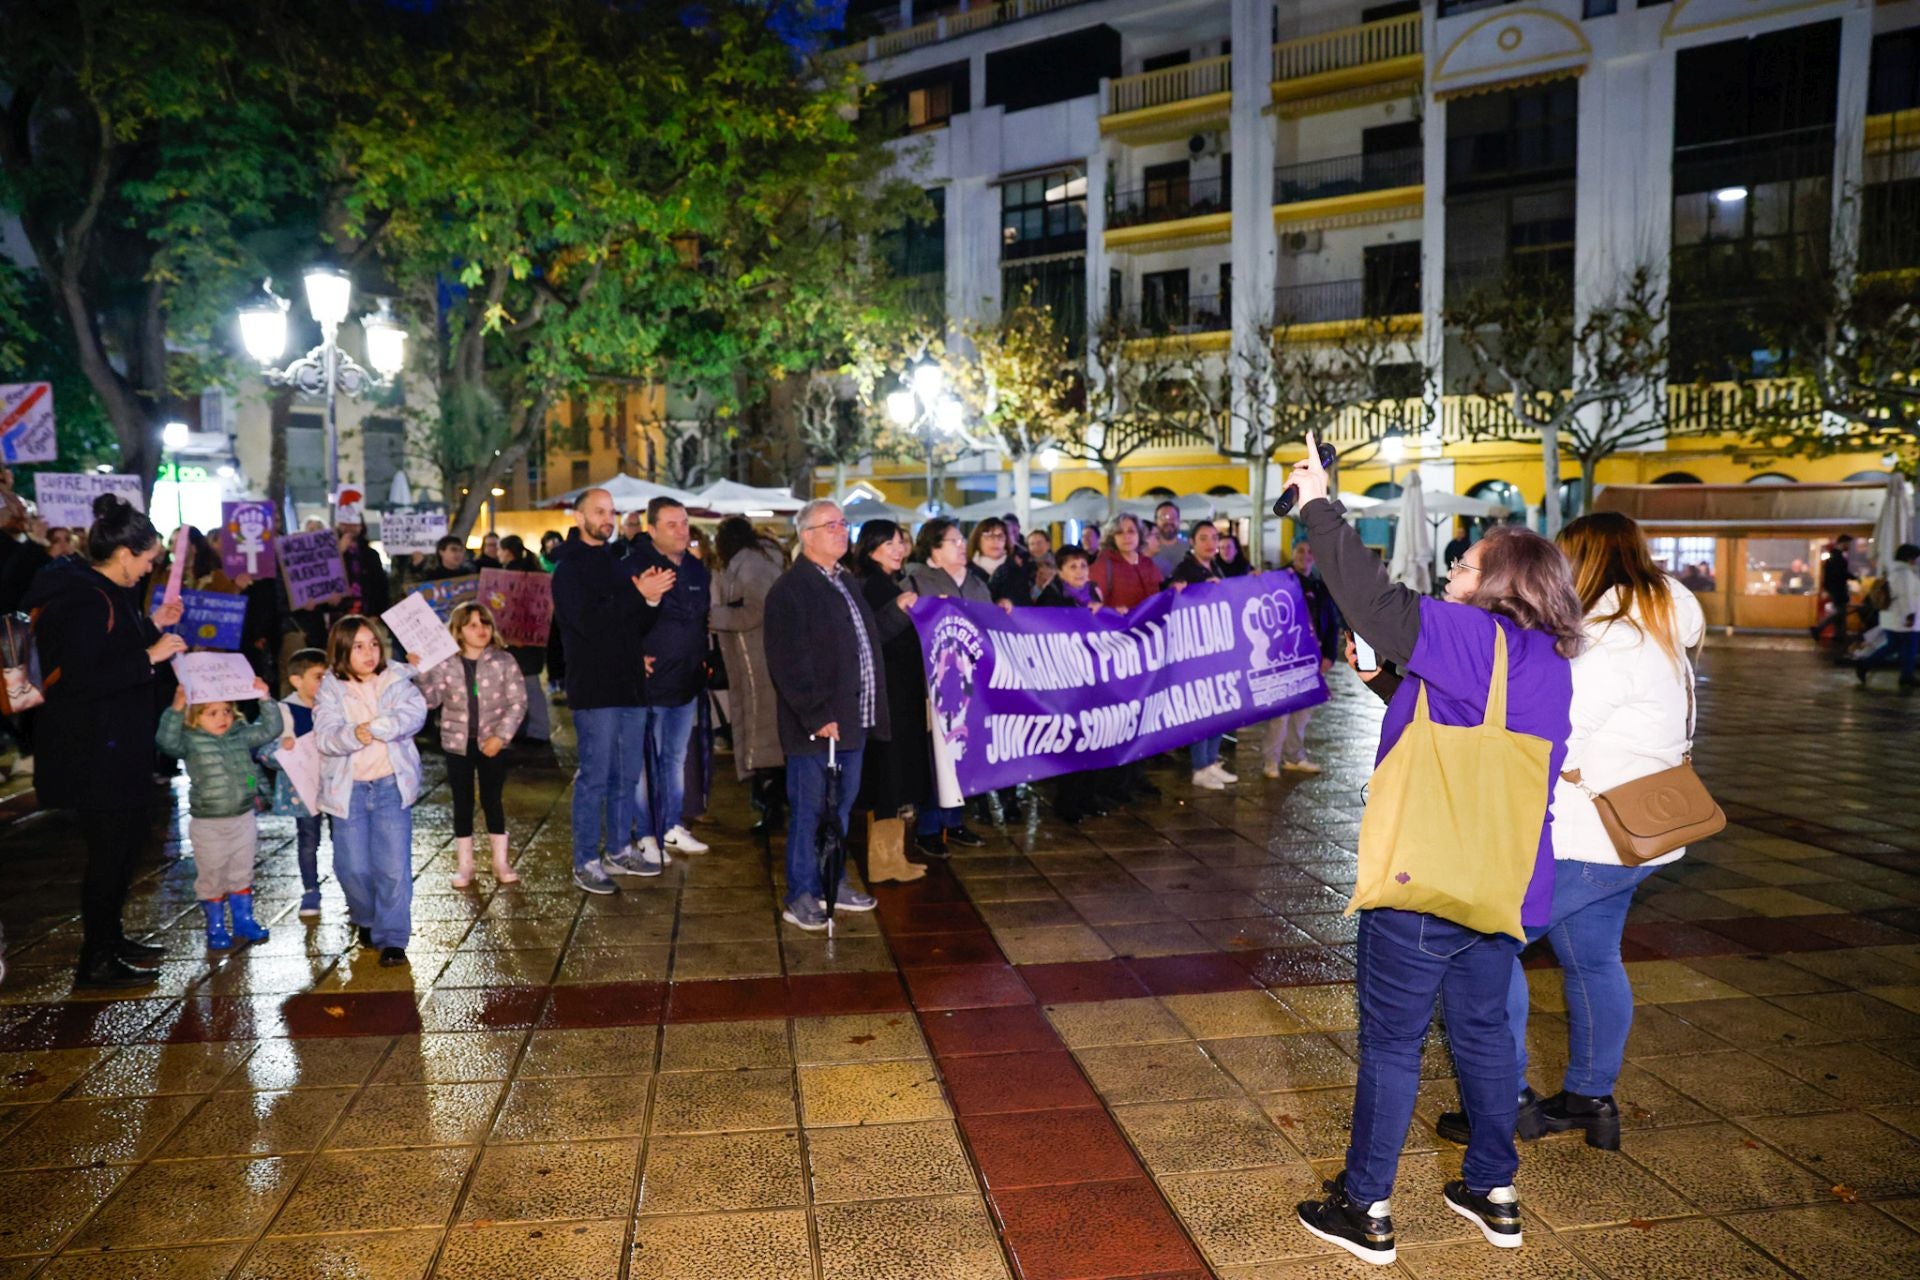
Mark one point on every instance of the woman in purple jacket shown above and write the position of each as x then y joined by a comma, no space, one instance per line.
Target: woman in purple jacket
1515,583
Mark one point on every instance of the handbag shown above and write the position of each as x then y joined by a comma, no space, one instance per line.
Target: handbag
1454,816
20,688
1651,816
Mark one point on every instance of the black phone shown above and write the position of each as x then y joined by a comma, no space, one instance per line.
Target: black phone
1291,494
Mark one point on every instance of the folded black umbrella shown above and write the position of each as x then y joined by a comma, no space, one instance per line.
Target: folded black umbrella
830,841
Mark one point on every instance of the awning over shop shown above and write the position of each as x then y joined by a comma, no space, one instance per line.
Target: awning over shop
1747,508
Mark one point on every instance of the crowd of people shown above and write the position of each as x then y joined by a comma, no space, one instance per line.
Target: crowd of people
812,659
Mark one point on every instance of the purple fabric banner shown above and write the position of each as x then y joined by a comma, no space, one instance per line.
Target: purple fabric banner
1038,692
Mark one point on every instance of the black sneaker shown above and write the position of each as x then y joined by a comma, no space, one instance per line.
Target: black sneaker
1365,1232
392,957
965,838
1527,1125
1599,1117
1497,1213
144,954
110,971
934,846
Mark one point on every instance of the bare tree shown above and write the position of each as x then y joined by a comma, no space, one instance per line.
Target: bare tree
1018,380
1347,391
1590,379
1141,391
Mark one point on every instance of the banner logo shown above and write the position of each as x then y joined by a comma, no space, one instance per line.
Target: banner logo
951,658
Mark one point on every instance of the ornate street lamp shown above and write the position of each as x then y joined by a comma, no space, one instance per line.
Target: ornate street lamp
325,370
923,406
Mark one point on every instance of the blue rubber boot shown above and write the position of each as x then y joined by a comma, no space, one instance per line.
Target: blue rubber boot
218,939
244,926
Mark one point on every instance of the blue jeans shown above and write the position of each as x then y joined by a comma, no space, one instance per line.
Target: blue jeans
306,844
1406,959
661,791
1205,752
1590,901
931,819
373,860
806,799
612,747
1903,646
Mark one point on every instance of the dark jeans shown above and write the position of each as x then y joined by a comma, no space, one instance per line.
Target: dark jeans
115,839
493,777
1899,646
806,803
306,837
1406,959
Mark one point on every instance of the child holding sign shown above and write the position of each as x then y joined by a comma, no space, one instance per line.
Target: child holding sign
482,701
217,748
368,712
305,669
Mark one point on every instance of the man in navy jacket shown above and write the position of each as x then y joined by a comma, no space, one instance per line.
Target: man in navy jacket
605,603
676,677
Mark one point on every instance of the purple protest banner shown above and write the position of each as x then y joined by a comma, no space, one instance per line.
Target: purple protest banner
1038,692
311,564
521,604
246,538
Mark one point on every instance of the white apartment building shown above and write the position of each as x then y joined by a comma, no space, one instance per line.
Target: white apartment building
1208,164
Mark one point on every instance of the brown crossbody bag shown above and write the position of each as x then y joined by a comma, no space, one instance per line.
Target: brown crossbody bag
1661,812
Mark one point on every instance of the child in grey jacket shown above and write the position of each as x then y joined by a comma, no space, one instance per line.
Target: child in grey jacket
217,748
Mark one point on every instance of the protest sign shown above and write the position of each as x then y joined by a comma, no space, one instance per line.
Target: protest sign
420,631
212,619
441,596
1039,692
302,767
311,564
406,532
246,538
177,564
215,677
26,423
66,499
522,604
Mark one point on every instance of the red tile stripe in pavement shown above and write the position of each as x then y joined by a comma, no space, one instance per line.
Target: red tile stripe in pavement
1071,1200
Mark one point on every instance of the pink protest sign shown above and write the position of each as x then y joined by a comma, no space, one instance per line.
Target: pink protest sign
522,604
246,538
177,571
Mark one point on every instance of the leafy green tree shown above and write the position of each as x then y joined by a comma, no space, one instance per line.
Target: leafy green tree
143,148
34,351
574,191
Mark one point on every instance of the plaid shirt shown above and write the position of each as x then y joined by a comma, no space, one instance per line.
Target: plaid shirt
837,575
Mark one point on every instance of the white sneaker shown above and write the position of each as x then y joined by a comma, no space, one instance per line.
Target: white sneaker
1207,780
1220,772
681,840
1301,766
1272,770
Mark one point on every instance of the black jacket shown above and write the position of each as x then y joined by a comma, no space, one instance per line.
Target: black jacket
813,656
95,733
678,642
1836,576
604,621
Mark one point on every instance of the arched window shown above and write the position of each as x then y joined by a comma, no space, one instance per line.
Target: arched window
1507,495
1159,491
1383,490
1772,477
1867,477
1223,491
1677,477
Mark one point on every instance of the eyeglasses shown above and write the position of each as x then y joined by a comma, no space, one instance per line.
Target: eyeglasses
1458,565
828,524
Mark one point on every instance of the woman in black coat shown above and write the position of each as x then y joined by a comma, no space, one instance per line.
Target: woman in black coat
902,775
97,658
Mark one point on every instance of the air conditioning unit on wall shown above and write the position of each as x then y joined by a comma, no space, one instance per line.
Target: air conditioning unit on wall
1295,243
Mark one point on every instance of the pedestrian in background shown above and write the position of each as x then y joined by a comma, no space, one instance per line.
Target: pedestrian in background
96,730
676,653
749,566
364,722
1900,620
217,747
604,603
482,699
830,680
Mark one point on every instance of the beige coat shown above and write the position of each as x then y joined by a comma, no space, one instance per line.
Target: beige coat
737,615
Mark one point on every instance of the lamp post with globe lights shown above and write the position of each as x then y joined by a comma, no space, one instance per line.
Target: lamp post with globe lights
326,370
923,406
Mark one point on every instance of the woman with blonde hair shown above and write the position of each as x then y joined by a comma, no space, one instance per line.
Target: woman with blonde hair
1632,715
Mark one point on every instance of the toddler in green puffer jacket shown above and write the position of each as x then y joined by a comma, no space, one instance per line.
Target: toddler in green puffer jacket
217,748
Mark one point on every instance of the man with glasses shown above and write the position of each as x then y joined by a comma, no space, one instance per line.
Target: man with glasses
823,652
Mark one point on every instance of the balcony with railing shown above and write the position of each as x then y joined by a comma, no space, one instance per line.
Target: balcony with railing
1172,102
1180,314
1330,303
1372,54
1204,200
1348,184
947,26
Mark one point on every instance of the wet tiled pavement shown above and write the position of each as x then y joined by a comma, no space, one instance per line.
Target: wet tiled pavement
1119,1050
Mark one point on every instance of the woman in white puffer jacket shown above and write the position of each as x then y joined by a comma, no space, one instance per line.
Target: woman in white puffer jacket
1630,716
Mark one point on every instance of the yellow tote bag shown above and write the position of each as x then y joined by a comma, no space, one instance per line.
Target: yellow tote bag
1452,824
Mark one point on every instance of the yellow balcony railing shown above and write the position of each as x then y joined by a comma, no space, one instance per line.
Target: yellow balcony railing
1169,85
947,27
1334,52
